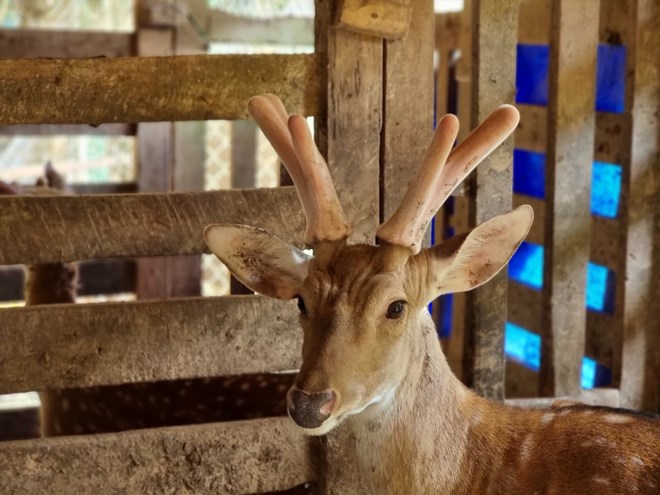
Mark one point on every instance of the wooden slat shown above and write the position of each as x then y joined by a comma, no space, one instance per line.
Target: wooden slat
348,131
31,43
571,126
534,22
408,123
234,458
537,232
493,83
153,89
104,344
104,188
68,130
640,211
72,228
525,306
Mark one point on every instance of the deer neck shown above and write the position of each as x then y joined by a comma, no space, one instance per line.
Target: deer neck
418,438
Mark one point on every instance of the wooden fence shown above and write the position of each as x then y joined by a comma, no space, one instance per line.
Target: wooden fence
371,130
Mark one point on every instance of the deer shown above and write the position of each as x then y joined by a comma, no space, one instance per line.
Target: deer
371,358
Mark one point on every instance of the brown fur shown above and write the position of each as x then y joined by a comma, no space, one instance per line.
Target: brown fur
418,429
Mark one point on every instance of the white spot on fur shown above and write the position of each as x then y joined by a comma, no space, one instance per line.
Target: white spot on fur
601,480
637,461
527,448
476,418
617,418
547,418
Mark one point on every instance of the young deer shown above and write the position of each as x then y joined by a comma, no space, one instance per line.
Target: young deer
371,356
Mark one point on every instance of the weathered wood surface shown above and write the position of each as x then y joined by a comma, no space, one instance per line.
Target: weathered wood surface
388,19
493,83
641,210
104,344
571,128
408,122
348,131
152,89
232,458
32,43
67,228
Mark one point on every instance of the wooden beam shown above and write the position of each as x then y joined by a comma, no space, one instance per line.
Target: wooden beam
104,188
113,343
48,43
641,211
228,28
388,19
201,459
70,228
407,123
493,83
571,128
153,89
349,124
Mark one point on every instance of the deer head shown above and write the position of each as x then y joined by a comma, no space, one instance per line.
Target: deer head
362,306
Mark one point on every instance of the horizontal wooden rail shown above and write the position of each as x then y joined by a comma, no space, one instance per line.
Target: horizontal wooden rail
152,89
67,228
97,344
31,43
235,458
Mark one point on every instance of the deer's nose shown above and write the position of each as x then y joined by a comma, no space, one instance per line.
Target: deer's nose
310,410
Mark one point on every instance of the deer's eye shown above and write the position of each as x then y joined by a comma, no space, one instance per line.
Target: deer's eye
301,305
395,310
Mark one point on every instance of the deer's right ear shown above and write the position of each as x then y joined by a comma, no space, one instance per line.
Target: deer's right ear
260,260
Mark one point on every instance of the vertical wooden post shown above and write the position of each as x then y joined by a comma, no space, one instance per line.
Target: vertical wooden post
637,276
348,134
571,117
494,39
407,121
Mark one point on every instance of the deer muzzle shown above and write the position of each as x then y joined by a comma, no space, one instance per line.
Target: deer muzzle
310,410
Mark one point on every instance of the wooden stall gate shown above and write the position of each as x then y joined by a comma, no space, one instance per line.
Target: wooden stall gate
371,133
572,133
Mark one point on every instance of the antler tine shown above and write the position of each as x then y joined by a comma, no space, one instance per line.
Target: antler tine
326,220
478,145
294,144
408,223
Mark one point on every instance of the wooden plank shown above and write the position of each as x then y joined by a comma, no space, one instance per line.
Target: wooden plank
240,457
640,211
348,134
532,132
571,127
388,19
525,306
153,89
109,276
113,343
493,83
407,123
534,22
447,30
68,130
349,124
72,228
228,28
32,43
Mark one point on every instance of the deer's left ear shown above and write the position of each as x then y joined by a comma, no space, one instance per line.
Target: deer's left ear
469,260
260,260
